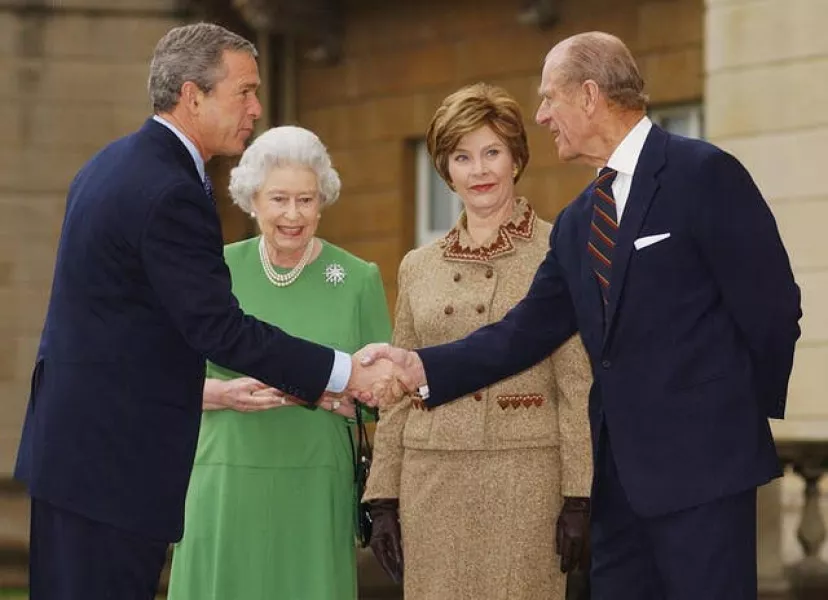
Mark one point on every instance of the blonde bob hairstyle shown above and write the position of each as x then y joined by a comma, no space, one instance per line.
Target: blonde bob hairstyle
282,147
468,109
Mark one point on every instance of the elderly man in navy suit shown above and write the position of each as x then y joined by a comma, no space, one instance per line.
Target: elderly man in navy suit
141,298
670,266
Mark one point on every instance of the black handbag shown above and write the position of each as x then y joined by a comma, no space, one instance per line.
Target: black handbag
362,453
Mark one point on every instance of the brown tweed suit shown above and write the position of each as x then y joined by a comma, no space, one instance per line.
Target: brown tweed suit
480,480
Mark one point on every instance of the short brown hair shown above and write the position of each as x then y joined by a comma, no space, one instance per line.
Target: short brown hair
467,110
605,59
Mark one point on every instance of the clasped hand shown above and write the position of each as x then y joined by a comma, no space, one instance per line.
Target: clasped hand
382,374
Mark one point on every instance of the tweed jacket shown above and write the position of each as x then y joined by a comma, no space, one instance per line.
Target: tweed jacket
450,288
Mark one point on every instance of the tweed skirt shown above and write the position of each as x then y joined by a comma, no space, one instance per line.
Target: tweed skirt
480,525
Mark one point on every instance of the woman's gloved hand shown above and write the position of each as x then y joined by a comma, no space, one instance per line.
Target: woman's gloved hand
386,536
572,534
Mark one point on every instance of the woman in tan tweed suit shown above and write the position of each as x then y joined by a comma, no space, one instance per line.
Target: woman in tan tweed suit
479,484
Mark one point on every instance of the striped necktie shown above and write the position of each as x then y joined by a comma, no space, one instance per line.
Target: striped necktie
208,188
603,230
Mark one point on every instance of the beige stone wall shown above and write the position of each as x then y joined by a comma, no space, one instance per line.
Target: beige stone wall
72,78
766,98
766,92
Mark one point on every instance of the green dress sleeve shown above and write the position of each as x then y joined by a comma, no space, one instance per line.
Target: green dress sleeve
374,318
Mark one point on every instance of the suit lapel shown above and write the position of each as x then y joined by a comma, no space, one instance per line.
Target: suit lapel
643,189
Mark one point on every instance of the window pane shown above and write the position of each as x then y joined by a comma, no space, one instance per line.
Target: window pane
442,204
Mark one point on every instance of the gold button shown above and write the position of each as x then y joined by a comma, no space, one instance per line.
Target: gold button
489,273
478,396
449,309
481,309
457,277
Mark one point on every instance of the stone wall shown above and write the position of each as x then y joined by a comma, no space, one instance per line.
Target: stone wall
767,92
766,89
401,60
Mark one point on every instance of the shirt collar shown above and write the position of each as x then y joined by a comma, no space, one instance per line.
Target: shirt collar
199,161
625,157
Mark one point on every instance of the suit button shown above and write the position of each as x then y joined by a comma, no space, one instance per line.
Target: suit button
478,396
606,364
449,309
457,277
489,273
480,309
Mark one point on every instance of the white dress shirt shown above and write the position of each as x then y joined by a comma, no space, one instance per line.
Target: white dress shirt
625,159
341,371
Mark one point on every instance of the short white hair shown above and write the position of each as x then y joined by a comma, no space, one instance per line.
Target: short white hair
279,147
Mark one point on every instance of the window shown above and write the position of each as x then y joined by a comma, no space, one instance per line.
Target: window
683,120
437,206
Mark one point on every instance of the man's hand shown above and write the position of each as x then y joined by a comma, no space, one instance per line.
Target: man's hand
378,384
572,534
409,370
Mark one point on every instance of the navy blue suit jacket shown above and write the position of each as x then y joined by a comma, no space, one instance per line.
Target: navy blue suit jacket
140,299
699,340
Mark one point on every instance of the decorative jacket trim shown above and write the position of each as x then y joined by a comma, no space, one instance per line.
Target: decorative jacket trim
520,400
521,225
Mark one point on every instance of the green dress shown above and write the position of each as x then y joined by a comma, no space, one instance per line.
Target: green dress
271,504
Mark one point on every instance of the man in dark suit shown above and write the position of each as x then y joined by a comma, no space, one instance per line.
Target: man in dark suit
141,298
671,267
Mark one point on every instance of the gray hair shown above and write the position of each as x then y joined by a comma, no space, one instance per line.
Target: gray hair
190,53
278,147
605,59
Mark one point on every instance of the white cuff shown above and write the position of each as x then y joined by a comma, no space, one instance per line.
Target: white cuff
340,373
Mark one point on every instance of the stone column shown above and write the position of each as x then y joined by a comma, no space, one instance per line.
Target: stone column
766,93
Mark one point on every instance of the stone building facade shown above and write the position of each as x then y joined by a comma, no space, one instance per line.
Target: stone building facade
750,73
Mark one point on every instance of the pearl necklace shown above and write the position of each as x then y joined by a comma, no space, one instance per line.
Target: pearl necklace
283,279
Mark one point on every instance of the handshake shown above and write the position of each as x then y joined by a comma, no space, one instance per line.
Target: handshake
381,374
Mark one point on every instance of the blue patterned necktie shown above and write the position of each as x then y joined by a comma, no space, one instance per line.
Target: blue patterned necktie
603,230
208,188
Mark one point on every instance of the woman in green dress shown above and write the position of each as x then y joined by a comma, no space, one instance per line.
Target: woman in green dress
271,504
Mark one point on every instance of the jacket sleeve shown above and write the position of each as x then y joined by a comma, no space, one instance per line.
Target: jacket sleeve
543,320
738,237
573,379
181,250
384,480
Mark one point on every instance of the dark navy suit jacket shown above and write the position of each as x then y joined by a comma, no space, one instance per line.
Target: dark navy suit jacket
698,344
140,299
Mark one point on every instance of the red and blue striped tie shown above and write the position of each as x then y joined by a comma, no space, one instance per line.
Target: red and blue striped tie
603,230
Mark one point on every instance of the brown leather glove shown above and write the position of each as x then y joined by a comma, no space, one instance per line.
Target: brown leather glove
572,534
386,536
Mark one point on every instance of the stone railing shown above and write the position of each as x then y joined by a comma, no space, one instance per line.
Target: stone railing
809,460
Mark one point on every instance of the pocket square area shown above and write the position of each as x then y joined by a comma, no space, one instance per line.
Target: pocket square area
649,240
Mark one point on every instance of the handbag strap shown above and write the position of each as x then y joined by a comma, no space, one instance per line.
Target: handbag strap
363,444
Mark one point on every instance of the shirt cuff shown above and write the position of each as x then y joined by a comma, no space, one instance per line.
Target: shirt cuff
340,373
